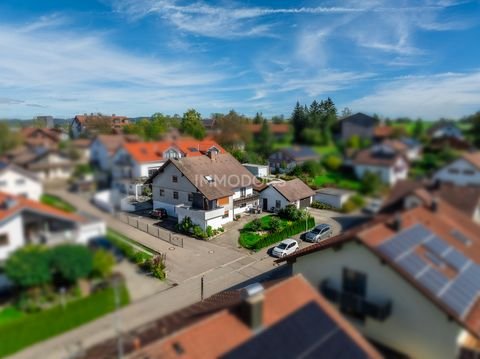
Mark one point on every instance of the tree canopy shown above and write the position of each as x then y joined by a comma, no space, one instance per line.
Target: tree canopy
192,124
8,138
29,266
71,262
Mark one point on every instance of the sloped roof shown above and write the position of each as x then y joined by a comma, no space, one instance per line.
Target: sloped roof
154,151
10,166
420,227
293,190
300,153
226,172
20,203
275,128
370,157
473,158
360,119
222,331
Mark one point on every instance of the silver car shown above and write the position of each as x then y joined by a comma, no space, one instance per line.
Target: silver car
319,233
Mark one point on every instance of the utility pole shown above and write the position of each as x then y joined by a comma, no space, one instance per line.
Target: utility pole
201,288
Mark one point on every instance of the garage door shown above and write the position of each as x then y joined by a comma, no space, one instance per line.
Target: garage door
305,202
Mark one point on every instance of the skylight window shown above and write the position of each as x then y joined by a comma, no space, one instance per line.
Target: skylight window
209,179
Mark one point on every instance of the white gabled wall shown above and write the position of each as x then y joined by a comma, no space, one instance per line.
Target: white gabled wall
99,154
13,228
272,195
15,183
460,178
387,174
416,326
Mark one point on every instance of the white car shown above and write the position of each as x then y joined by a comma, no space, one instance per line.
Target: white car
374,206
285,247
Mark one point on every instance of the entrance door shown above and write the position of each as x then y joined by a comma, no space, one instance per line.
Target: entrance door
265,204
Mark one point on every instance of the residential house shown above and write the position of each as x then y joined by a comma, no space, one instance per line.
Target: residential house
282,319
19,182
47,138
279,131
383,132
82,146
25,221
103,147
360,125
463,171
134,162
209,189
260,171
384,160
410,193
89,124
334,197
286,159
409,282
46,121
278,195
447,134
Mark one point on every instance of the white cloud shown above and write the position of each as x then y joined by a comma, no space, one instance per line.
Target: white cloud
441,95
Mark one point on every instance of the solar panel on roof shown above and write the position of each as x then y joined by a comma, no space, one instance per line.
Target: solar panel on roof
412,263
461,237
463,290
306,333
433,280
456,259
404,241
436,245
434,259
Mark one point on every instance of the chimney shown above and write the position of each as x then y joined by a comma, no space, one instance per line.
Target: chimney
434,204
397,222
251,309
212,154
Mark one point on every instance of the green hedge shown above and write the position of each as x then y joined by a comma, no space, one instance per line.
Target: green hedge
57,202
32,328
291,230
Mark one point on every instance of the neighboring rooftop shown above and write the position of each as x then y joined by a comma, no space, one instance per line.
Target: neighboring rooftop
294,320
293,190
436,249
275,128
334,191
300,153
360,119
473,158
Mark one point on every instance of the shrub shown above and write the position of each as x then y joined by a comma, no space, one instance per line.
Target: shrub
288,231
29,266
290,213
349,206
312,168
210,232
320,205
185,225
140,257
199,232
358,200
255,225
333,162
103,263
275,225
156,265
71,262
370,183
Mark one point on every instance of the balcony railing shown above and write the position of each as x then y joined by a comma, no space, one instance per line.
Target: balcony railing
350,302
200,214
246,199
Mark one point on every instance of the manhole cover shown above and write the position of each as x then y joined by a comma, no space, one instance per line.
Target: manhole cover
211,251
171,248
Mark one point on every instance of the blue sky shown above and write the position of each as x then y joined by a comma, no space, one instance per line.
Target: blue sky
137,57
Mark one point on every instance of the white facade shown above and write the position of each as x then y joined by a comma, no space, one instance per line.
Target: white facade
99,155
15,183
415,327
12,228
336,199
388,174
51,167
270,199
261,171
460,173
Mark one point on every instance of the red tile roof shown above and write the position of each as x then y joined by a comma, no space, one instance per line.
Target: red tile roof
223,331
19,203
473,158
143,152
275,128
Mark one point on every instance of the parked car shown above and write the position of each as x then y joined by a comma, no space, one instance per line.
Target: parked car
285,247
374,206
319,233
158,213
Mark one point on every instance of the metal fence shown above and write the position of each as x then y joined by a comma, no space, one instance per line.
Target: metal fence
161,233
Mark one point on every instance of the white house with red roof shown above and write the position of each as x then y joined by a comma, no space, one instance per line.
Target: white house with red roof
409,282
20,182
140,160
25,221
464,171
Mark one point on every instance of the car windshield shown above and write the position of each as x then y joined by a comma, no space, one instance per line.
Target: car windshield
282,246
315,231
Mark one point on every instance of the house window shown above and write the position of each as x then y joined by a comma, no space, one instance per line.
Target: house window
243,205
162,192
3,183
354,287
226,214
151,171
190,197
243,192
3,240
278,204
469,172
174,179
20,181
453,171
175,195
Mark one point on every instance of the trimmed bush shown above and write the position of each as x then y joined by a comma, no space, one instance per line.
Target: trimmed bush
320,205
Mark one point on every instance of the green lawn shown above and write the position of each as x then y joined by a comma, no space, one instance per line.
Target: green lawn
338,179
31,328
249,238
326,150
57,202
8,314
119,240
